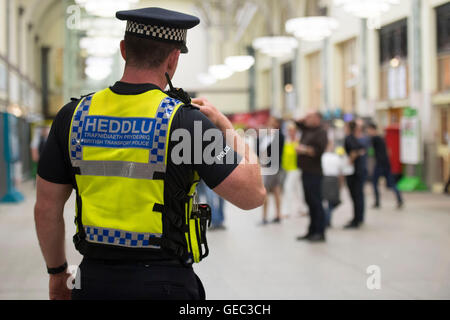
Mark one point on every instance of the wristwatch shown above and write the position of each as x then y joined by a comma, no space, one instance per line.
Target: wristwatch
57,270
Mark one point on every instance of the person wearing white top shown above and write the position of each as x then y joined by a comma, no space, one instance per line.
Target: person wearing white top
334,166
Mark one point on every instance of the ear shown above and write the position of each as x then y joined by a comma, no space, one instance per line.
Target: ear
172,61
122,50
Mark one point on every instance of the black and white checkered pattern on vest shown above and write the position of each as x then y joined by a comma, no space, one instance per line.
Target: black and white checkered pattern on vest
158,32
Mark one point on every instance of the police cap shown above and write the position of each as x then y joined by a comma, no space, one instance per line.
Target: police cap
159,24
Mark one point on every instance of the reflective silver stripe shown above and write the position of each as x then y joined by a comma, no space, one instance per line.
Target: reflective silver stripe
122,238
118,169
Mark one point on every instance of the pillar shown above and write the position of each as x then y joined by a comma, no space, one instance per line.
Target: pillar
363,108
325,76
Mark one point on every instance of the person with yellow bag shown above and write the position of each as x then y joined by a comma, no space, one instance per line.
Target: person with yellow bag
293,190
134,154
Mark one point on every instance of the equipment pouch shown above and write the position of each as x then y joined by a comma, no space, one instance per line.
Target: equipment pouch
199,220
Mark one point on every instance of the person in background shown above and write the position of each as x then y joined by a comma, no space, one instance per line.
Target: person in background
355,182
364,140
37,145
215,202
312,145
38,142
382,166
292,186
273,183
332,166
447,186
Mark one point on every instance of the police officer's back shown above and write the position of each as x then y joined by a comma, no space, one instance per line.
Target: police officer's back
137,226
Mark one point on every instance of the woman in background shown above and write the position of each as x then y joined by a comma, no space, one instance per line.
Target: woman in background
292,186
333,166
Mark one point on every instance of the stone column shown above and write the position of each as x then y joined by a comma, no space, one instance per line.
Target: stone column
363,108
295,78
275,107
324,76
419,98
252,81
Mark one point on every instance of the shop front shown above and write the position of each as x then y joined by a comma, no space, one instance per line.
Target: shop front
441,100
443,144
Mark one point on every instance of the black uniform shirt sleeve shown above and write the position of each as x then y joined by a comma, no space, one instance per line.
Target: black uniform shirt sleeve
54,163
202,150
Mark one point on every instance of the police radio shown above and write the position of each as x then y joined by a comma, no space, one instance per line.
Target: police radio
201,214
177,93
202,211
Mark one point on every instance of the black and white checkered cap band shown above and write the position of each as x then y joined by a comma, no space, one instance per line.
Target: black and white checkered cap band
159,32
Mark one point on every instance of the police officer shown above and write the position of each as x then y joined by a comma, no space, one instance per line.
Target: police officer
137,227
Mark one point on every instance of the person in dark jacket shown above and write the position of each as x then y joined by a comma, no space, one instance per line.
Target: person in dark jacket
447,186
382,166
355,182
312,145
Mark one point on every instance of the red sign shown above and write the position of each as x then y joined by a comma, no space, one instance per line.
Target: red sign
256,119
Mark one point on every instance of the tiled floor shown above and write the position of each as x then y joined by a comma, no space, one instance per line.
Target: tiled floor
247,261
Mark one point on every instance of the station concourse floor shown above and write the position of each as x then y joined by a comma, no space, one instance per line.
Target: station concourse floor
411,247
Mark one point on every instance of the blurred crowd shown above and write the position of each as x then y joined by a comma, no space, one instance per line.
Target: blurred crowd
317,159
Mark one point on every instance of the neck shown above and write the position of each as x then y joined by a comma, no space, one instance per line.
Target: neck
154,76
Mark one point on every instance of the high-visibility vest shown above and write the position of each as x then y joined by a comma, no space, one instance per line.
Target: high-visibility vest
118,148
289,156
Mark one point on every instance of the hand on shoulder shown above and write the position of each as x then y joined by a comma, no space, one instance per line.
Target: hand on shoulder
209,110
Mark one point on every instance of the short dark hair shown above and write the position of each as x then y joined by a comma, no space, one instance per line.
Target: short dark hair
147,53
372,125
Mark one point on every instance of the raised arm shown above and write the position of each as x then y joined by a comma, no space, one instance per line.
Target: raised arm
243,187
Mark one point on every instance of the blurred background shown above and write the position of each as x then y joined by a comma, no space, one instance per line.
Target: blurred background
382,61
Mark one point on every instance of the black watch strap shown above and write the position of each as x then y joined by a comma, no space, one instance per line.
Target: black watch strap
57,270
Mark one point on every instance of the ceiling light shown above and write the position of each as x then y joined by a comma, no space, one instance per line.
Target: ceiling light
98,68
15,110
275,46
97,72
240,63
100,46
206,79
102,27
311,28
366,8
220,71
105,8
288,88
395,62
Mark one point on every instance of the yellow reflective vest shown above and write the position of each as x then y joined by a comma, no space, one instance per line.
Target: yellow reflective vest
118,148
289,156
